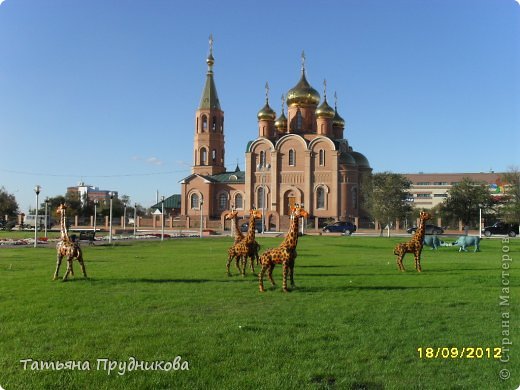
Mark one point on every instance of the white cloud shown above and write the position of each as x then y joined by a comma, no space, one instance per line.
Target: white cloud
1,1
154,161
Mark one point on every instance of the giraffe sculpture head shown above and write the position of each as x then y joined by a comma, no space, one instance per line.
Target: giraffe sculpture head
231,214
299,212
424,216
257,214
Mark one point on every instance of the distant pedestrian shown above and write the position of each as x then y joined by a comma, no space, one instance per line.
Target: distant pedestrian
466,229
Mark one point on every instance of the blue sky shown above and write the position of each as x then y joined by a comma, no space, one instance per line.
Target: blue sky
105,91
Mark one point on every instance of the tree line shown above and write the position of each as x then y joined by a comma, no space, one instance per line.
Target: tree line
387,197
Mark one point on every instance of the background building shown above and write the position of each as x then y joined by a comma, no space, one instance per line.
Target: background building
430,189
85,191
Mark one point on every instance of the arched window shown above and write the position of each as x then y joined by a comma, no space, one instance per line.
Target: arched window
261,198
239,201
222,125
222,158
292,158
322,157
197,128
214,124
222,201
262,158
195,156
320,198
355,197
214,155
203,156
194,201
204,123
299,120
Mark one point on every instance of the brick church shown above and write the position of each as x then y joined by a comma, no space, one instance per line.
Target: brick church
301,157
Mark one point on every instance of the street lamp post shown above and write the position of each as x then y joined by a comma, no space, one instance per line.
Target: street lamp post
111,194
124,215
46,213
263,168
95,213
37,189
201,203
135,218
162,218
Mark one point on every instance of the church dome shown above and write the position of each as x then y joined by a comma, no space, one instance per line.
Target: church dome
266,113
303,94
324,110
347,158
361,160
338,121
281,122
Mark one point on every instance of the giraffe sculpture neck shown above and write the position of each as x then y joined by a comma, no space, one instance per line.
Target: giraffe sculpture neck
291,239
419,234
238,234
250,236
64,234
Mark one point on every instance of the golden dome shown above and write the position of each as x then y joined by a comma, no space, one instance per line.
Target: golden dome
281,122
338,121
303,94
266,113
324,110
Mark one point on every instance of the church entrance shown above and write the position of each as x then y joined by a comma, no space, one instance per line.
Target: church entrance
291,200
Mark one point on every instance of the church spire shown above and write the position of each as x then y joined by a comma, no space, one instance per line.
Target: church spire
209,99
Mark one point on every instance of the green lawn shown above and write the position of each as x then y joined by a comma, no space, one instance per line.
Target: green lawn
352,322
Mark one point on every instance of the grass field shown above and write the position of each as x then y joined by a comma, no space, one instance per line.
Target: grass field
352,322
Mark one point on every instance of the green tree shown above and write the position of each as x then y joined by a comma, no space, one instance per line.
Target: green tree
8,204
465,199
386,196
510,211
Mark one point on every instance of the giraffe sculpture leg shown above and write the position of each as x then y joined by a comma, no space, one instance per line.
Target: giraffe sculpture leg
261,276
284,278
58,263
418,261
82,265
270,274
69,271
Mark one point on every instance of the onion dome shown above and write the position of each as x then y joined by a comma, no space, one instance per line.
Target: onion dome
324,110
281,122
347,159
266,113
361,160
337,121
302,93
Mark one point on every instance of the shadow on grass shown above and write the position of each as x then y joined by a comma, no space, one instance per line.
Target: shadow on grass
361,288
153,281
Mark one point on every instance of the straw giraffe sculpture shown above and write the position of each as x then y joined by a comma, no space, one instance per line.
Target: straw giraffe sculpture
239,236
415,245
285,254
67,247
247,247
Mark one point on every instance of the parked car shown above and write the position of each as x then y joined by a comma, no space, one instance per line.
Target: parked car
340,227
258,226
430,229
511,229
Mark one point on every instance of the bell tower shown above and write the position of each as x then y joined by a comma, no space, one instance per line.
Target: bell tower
208,145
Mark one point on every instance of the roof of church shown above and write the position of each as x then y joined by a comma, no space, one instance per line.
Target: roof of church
237,176
171,202
209,99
